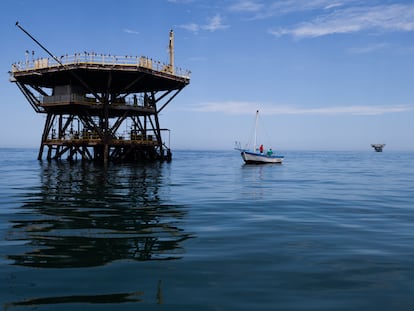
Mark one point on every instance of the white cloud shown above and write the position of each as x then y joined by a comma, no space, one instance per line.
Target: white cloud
213,24
396,17
333,5
180,1
368,48
352,110
246,6
278,8
289,6
192,27
229,107
130,31
234,107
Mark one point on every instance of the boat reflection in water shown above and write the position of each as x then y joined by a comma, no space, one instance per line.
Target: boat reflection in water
84,215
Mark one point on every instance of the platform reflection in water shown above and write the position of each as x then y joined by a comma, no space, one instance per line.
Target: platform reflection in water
83,215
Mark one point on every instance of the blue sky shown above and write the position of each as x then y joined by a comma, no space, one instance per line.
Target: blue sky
325,75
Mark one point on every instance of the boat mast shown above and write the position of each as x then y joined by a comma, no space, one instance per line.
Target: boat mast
255,131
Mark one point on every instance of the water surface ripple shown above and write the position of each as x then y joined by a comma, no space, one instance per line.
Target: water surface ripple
323,231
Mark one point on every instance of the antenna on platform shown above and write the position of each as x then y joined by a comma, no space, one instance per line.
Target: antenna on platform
171,50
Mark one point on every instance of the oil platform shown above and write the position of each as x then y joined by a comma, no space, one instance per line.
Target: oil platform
378,147
100,107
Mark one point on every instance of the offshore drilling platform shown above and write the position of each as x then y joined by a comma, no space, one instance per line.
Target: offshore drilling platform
100,107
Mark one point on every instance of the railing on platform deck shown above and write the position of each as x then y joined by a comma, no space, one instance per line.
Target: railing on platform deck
97,141
93,137
99,59
74,98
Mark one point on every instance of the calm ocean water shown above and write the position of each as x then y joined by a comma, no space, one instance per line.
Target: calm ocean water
323,231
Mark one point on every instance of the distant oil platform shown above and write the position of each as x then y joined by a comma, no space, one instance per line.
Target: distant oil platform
378,147
101,107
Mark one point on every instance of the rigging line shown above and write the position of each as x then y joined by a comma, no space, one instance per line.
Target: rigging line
268,140
251,137
59,62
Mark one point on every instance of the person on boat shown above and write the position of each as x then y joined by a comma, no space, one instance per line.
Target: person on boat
261,148
269,152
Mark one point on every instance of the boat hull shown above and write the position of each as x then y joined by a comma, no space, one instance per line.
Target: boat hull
259,158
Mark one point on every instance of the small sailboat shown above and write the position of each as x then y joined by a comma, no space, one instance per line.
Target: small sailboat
258,156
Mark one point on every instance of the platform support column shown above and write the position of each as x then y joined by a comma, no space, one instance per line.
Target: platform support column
46,129
157,131
40,155
106,153
105,123
49,153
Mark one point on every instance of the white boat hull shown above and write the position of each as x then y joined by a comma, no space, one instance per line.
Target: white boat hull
259,158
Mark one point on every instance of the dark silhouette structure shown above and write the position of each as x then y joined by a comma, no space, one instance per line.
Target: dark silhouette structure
101,107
